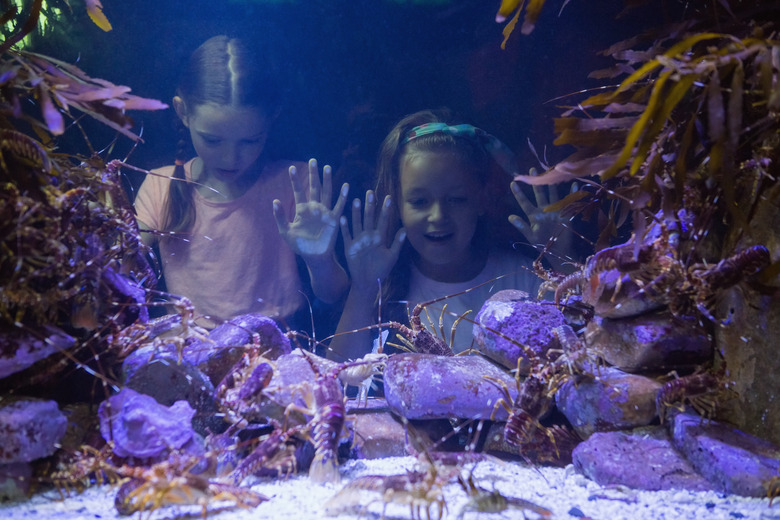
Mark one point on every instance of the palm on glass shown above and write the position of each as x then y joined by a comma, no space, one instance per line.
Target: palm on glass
314,229
368,256
538,226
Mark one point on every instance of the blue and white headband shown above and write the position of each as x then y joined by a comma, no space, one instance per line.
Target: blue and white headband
500,152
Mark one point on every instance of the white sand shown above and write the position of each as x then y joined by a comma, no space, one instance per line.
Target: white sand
559,490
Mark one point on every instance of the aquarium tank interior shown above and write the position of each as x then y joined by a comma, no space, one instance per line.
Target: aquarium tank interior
389,259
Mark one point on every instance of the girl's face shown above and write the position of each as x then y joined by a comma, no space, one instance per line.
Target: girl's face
441,201
227,139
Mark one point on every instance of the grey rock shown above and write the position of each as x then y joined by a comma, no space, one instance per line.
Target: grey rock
614,400
507,322
379,434
157,372
30,429
732,460
293,377
15,481
640,459
650,341
749,348
425,386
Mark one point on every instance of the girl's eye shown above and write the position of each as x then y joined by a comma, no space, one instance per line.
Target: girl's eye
210,141
416,203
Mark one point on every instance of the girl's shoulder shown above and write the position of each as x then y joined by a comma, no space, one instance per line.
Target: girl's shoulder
164,173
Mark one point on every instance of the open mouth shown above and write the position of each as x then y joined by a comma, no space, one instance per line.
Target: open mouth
438,237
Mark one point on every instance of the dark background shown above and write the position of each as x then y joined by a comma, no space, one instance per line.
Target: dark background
354,67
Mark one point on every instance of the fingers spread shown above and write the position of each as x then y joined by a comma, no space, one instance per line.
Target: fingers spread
315,189
357,224
297,186
384,216
338,209
525,204
541,196
552,196
370,211
345,232
327,186
400,236
281,217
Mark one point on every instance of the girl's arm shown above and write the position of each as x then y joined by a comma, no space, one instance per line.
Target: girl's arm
313,231
150,203
369,261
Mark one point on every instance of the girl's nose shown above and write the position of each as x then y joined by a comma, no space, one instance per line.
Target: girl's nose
230,156
437,212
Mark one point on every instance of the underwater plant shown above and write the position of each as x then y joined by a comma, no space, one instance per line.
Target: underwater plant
692,126
73,266
682,151
45,16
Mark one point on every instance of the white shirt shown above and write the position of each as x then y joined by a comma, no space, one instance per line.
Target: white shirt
515,272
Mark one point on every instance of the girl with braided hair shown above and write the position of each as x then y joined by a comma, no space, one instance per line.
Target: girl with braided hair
220,218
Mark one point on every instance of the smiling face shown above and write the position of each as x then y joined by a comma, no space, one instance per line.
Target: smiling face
440,204
228,140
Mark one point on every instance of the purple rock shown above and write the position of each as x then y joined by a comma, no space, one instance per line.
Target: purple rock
227,343
609,285
642,459
130,297
614,294
650,341
614,401
19,348
733,461
141,427
518,322
30,429
425,386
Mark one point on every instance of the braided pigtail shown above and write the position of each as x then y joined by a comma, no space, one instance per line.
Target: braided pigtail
226,72
180,211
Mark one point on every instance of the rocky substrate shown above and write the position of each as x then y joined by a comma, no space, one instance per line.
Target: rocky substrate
605,413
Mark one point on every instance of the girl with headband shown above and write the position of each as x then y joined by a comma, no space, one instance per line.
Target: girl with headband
430,237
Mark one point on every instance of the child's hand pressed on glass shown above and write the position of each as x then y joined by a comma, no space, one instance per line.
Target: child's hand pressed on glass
314,228
368,256
538,226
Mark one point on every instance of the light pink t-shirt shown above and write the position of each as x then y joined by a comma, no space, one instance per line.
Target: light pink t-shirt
517,275
234,261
